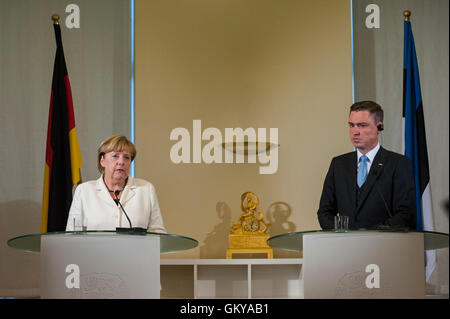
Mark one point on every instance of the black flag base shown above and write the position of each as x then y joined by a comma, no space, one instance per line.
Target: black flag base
131,230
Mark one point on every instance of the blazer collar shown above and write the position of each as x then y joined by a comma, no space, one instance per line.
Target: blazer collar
103,192
371,154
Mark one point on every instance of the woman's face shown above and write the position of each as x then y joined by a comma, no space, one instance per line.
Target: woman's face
116,165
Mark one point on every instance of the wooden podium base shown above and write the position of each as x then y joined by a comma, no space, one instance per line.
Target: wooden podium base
231,251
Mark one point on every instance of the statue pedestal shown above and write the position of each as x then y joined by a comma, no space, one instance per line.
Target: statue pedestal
249,244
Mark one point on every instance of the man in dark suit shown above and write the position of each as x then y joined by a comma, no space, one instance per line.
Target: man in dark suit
373,186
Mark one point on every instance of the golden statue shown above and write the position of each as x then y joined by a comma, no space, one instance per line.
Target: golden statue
248,222
249,233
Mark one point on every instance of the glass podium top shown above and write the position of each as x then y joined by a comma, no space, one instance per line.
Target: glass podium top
294,241
169,243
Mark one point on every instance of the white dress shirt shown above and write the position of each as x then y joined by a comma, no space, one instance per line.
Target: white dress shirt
93,208
370,156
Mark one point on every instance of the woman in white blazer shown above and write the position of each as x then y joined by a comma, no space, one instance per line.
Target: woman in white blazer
95,205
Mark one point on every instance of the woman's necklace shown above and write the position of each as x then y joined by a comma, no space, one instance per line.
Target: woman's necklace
116,194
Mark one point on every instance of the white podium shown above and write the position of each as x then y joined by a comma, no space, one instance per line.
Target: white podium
99,267
101,264
362,264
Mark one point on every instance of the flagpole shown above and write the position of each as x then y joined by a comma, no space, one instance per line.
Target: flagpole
406,14
55,18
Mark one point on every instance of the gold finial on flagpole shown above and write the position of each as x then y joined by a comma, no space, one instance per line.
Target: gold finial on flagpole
55,18
406,14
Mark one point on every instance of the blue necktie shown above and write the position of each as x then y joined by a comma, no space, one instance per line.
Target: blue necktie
362,171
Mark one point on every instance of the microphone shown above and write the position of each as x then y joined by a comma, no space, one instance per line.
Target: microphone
124,229
386,227
384,202
376,172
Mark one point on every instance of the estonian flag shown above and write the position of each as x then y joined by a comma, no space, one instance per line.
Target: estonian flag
415,144
62,156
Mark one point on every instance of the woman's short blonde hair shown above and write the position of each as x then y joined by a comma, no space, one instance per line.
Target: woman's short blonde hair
114,143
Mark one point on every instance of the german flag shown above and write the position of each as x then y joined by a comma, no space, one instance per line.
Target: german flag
62,156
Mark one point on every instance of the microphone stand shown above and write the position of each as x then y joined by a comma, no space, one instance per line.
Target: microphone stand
131,229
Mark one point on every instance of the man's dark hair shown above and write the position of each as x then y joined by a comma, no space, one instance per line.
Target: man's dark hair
374,109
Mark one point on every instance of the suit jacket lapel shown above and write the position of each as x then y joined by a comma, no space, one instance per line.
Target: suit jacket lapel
372,178
129,192
351,181
103,193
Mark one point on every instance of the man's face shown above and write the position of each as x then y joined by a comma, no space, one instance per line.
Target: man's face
363,130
